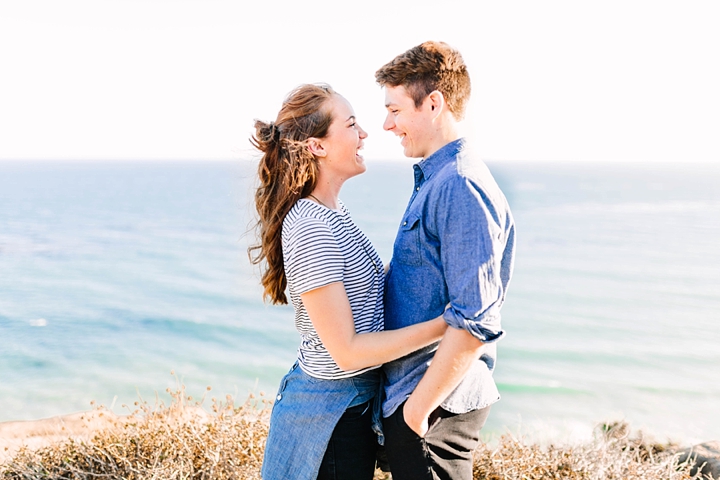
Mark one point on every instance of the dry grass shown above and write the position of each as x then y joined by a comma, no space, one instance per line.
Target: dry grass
182,441
613,455
178,441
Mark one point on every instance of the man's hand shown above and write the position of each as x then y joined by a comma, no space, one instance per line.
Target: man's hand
454,357
415,418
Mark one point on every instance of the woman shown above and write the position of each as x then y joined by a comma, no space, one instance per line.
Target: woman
320,425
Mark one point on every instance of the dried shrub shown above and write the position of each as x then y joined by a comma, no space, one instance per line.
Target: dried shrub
158,442
182,441
613,455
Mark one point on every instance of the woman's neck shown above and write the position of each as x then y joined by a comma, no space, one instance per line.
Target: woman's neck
327,194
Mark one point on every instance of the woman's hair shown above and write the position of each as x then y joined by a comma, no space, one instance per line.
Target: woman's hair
287,173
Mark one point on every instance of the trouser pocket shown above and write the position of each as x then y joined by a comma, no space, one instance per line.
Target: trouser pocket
406,451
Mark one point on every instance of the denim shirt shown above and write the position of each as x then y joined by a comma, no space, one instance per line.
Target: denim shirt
303,418
453,256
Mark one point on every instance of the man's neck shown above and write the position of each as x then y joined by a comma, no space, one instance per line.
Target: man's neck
446,132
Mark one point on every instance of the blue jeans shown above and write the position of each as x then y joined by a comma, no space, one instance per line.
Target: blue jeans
350,454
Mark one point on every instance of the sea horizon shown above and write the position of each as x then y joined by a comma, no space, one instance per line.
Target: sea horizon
113,274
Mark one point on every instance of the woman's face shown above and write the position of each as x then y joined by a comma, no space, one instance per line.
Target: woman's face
343,142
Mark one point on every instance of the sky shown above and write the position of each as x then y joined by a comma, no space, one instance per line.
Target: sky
572,80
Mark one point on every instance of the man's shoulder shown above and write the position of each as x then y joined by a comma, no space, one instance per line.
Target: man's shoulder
469,165
466,170
460,160
465,178
475,172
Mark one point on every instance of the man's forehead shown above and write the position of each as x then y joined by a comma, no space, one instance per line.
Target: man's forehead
395,95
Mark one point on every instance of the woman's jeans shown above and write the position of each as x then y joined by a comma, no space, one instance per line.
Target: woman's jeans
350,455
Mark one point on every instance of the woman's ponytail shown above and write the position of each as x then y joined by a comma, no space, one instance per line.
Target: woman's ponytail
287,172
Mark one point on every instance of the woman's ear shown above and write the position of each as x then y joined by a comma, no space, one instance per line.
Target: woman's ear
316,147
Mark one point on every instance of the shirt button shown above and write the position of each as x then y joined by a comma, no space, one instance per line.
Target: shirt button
417,189
404,223
279,397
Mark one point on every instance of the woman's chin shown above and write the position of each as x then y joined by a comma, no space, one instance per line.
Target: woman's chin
360,161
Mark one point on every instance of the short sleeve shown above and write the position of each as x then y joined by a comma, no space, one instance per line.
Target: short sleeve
312,256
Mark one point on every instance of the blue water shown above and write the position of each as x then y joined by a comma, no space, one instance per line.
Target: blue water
112,275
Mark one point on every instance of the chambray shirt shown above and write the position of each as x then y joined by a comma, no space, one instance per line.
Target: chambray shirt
453,256
304,415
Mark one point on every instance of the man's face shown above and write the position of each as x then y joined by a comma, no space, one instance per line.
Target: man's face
412,125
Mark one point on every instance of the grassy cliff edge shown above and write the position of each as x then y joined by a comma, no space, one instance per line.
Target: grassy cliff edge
182,440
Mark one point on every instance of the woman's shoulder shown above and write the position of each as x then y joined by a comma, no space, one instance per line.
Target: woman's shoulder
305,217
304,210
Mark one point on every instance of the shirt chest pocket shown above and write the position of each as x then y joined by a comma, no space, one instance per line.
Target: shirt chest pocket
407,244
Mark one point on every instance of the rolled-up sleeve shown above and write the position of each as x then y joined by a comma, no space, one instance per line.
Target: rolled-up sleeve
472,242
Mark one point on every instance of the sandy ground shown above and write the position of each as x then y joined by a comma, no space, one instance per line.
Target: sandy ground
38,433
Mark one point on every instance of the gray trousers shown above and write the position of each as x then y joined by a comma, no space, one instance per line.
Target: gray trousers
445,453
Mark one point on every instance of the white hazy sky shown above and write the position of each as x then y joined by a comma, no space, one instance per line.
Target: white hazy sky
184,79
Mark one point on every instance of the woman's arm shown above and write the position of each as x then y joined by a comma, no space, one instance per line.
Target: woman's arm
329,310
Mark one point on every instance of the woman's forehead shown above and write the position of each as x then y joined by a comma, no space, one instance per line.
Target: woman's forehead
341,108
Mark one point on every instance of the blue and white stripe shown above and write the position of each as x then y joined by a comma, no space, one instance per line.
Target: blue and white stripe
323,246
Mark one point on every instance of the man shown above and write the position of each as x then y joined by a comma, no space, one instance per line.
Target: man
453,257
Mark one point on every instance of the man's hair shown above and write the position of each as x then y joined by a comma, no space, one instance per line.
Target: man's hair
430,66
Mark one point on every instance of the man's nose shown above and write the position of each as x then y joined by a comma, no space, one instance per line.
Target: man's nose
389,123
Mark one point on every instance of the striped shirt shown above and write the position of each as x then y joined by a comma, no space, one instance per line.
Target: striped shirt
323,246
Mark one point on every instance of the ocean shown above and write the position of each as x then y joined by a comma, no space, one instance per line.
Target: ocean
115,274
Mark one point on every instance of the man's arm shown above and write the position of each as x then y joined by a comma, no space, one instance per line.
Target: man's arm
457,352
471,263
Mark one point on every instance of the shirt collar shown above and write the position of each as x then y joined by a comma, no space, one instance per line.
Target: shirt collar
428,166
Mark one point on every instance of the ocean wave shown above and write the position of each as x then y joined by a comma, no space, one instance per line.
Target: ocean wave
551,388
636,207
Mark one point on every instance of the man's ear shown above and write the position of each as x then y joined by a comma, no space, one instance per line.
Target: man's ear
436,101
316,147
